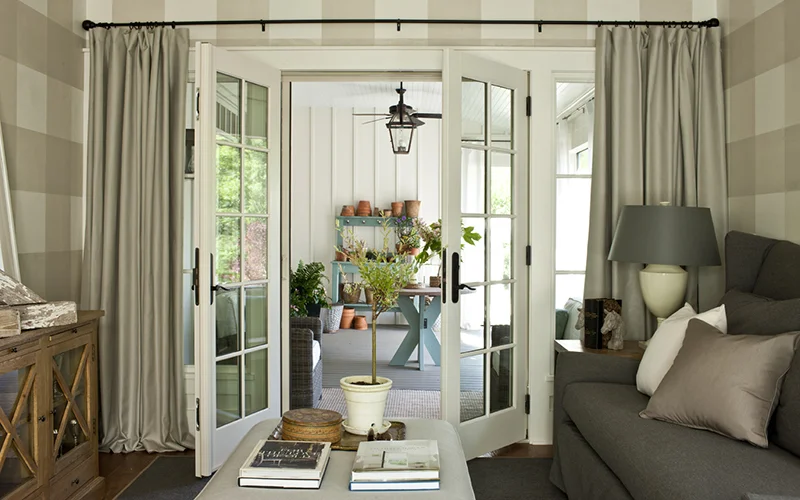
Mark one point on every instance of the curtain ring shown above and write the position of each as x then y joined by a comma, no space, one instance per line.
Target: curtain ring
263,26
173,24
540,27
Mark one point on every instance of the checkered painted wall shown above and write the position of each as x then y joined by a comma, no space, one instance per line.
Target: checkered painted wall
762,80
41,108
127,10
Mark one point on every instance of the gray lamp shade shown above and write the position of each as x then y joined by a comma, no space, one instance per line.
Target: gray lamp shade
657,234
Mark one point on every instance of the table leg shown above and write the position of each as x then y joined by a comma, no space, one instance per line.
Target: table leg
429,316
412,339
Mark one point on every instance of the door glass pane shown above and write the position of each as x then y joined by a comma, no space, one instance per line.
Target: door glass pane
255,316
472,319
255,381
69,419
572,223
14,470
473,111
255,248
501,183
501,249
228,391
569,286
473,404
502,111
228,256
227,320
500,301
229,105
501,373
255,182
473,181
229,163
473,265
256,116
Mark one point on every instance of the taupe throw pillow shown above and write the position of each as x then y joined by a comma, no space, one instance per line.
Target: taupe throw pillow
727,384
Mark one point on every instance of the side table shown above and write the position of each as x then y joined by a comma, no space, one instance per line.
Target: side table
630,350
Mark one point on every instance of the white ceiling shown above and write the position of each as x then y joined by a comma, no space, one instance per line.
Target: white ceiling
424,97
568,92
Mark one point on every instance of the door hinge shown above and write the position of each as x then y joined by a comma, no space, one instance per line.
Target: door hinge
94,425
527,404
528,106
528,255
197,414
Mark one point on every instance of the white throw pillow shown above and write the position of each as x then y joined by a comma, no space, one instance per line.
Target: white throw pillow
667,341
571,307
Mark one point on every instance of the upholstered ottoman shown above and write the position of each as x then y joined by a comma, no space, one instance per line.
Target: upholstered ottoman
455,483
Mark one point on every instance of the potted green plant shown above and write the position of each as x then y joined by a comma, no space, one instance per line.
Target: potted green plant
407,232
385,276
307,290
431,234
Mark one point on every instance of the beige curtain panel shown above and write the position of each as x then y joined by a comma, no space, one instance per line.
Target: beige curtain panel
132,266
659,136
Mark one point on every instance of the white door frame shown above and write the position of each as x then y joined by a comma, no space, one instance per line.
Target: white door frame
546,64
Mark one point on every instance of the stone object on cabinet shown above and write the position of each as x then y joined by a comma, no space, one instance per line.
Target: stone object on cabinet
46,315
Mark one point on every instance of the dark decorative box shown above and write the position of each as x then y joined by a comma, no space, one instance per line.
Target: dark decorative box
594,315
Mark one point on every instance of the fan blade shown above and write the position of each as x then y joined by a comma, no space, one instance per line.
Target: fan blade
428,115
371,114
373,121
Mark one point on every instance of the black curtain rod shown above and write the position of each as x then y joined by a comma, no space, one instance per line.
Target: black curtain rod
711,23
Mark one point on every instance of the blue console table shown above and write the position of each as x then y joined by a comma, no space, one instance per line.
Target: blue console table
421,317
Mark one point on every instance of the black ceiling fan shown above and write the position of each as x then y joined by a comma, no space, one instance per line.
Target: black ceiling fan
402,120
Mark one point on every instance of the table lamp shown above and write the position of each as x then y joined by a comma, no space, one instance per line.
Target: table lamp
665,237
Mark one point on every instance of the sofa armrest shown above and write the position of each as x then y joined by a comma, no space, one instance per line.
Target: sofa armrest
572,367
311,323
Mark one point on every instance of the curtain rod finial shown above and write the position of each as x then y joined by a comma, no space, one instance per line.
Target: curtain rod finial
87,25
713,22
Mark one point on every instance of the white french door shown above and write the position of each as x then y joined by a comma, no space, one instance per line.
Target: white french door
237,256
485,309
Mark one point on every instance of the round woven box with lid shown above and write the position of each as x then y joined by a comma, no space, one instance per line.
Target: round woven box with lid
312,424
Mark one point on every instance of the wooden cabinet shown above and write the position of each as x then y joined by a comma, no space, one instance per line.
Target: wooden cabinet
48,412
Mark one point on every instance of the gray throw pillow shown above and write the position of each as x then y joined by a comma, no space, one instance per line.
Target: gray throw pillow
728,384
786,428
756,315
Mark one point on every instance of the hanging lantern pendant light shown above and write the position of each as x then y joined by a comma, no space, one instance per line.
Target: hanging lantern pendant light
401,125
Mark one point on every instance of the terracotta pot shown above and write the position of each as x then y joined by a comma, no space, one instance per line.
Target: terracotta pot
387,212
377,212
348,210
397,208
364,209
347,317
368,295
412,208
436,281
360,323
413,251
340,256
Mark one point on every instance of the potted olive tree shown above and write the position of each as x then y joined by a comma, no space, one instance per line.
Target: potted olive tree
385,275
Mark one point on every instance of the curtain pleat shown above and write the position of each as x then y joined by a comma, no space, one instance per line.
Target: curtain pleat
659,136
132,265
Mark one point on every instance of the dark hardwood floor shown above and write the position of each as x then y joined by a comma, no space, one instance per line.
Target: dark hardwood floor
121,469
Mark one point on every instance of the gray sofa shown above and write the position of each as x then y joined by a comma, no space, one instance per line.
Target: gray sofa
604,450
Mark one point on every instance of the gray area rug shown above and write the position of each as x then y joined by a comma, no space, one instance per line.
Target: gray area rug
403,403
513,479
167,478
349,352
172,478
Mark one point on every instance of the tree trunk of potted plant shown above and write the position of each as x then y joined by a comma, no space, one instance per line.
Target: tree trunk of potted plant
366,395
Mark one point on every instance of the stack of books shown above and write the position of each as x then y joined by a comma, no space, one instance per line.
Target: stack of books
285,464
396,466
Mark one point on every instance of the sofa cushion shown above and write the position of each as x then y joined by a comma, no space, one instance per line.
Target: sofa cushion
786,425
756,315
316,353
659,460
779,277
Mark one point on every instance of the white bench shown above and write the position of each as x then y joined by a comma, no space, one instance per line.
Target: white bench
455,482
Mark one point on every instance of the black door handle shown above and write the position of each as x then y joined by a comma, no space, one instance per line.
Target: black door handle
456,270
216,288
462,286
196,277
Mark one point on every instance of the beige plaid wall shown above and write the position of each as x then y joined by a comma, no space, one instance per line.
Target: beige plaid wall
140,10
41,103
762,82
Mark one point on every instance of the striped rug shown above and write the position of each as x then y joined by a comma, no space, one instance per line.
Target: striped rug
405,403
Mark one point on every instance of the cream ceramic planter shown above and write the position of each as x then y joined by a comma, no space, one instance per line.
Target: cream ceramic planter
365,403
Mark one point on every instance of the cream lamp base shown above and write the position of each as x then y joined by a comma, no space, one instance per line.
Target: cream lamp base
663,290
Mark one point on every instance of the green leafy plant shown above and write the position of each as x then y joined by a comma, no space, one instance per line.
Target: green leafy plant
432,236
384,275
407,231
306,285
